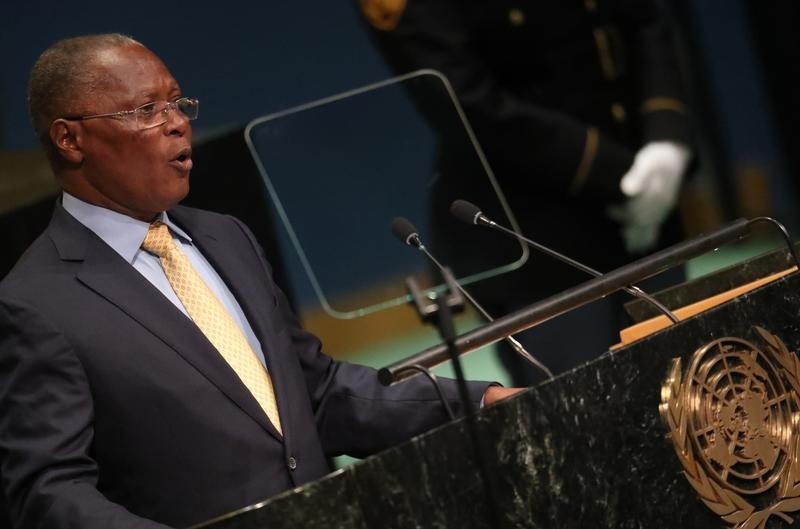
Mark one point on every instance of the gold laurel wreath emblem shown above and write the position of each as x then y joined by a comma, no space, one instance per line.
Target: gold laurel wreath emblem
726,503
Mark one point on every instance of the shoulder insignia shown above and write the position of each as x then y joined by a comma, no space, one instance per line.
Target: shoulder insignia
383,14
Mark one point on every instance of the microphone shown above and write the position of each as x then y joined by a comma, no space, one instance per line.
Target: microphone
472,214
405,232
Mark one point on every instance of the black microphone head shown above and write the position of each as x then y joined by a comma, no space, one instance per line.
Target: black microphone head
465,211
405,232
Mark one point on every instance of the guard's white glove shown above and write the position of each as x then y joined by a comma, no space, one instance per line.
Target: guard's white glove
652,185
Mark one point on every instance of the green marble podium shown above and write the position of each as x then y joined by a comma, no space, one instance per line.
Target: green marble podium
586,449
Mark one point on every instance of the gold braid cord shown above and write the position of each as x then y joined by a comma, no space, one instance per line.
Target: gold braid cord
732,507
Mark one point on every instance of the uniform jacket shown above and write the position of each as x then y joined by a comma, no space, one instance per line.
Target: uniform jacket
561,93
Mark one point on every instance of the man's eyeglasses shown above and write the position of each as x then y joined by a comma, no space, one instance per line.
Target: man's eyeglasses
152,114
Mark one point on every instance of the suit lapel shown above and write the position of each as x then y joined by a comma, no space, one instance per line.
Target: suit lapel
110,276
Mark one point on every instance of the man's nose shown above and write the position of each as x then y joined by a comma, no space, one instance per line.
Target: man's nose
177,122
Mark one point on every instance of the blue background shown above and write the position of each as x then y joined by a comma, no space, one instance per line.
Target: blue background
247,59
241,59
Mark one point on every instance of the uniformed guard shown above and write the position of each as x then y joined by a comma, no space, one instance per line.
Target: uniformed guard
578,106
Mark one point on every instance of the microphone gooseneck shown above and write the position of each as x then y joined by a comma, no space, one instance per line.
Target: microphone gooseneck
472,214
407,233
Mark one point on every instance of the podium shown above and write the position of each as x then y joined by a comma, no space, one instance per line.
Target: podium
591,447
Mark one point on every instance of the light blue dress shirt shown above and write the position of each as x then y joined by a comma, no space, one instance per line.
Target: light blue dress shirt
125,234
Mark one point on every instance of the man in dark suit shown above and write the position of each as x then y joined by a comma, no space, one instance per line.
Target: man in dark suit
122,405
578,106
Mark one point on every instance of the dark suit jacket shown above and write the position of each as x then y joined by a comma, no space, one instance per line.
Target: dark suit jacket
117,410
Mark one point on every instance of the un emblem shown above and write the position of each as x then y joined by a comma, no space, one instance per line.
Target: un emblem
733,421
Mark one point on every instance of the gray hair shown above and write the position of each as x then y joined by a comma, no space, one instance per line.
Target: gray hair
61,74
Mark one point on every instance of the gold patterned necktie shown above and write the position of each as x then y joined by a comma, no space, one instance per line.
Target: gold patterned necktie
212,318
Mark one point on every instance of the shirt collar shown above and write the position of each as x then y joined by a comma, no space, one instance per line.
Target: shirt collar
122,233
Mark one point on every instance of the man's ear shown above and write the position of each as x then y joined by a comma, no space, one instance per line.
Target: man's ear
66,137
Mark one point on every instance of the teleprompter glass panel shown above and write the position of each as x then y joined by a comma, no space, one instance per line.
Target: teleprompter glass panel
339,170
